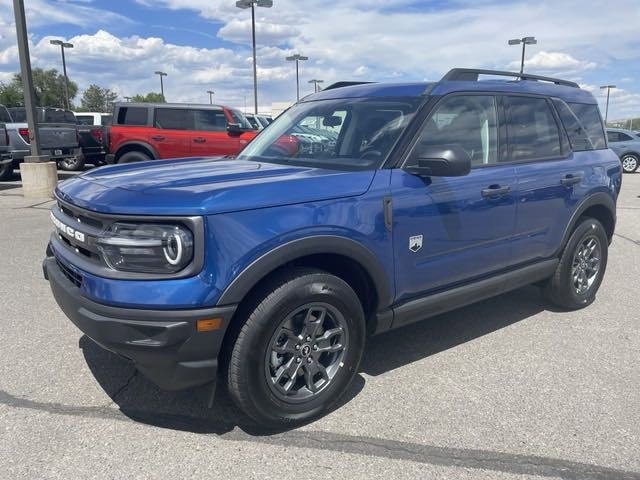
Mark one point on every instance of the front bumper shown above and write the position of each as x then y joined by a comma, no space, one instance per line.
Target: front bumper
164,344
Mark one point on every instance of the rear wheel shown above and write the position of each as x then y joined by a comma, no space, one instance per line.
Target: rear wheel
135,156
71,164
581,268
629,163
298,350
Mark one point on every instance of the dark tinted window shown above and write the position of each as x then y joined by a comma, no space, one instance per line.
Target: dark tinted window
589,116
58,116
468,122
105,120
4,115
212,120
577,133
84,119
531,129
174,118
18,114
132,116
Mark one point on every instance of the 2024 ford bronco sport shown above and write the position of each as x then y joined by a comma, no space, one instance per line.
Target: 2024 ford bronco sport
405,201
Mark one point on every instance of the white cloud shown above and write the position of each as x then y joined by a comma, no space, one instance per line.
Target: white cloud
554,62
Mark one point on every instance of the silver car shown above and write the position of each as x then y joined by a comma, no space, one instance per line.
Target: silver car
626,144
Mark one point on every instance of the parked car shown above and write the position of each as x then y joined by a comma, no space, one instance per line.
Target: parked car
92,134
146,131
58,138
272,267
626,144
258,122
6,162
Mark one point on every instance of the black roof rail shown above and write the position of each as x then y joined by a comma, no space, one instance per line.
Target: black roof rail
471,75
343,84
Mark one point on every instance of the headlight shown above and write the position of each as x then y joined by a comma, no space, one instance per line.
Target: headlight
146,247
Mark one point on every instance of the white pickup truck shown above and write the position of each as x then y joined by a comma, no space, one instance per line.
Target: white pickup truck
58,132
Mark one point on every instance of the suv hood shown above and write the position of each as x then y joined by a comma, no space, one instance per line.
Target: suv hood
201,186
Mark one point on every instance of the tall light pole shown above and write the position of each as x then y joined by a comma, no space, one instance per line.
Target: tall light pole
606,110
161,74
64,45
244,4
210,92
316,86
524,41
297,58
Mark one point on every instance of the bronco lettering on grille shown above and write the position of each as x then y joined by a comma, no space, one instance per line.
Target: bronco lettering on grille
67,230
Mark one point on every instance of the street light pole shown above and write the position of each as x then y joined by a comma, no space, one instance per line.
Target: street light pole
161,74
244,4
524,41
606,110
64,45
297,58
316,86
210,92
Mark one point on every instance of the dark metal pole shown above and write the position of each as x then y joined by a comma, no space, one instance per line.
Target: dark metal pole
255,68
162,89
25,71
297,82
606,110
522,61
66,79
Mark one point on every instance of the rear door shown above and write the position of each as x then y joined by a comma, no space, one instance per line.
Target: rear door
172,131
548,174
210,136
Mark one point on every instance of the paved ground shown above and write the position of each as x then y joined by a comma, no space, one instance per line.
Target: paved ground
503,389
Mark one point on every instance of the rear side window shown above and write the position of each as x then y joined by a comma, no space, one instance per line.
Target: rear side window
618,137
589,116
132,116
105,120
174,118
85,119
18,114
532,131
577,133
211,120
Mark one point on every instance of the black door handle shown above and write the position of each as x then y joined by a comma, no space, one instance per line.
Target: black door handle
157,137
571,180
495,191
199,140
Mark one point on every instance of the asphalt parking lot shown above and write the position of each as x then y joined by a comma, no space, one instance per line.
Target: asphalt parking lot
507,388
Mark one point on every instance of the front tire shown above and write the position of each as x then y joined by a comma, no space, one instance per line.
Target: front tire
581,268
134,156
298,349
629,163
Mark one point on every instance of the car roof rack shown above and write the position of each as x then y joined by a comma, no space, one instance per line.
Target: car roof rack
472,74
344,84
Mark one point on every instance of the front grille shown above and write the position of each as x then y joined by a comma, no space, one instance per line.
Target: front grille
73,277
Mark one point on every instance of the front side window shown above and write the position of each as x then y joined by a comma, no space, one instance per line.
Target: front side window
240,119
210,120
531,129
349,133
467,121
174,119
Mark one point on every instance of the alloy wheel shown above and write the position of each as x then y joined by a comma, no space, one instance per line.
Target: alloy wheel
629,163
586,264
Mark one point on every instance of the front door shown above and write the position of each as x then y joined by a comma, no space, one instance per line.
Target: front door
449,230
210,136
170,136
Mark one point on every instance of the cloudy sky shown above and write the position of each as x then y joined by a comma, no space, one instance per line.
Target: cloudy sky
205,44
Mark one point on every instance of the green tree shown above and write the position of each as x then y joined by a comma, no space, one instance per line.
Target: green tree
97,99
48,86
151,97
11,94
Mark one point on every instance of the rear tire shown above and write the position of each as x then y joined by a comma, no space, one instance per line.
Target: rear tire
135,156
71,164
581,268
6,172
629,162
290,362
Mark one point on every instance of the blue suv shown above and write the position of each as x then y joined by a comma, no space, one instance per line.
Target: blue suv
362,208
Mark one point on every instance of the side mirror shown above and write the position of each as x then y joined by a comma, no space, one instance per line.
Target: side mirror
439,161
235,128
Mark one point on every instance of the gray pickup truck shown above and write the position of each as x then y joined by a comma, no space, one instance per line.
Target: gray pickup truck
5,157
58,138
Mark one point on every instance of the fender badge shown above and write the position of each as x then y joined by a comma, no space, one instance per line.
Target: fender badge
415,243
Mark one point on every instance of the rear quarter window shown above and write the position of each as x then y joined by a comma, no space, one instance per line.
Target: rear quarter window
576,131
132,116
589,116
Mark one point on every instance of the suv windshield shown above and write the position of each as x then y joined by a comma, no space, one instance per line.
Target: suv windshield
348,133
